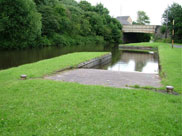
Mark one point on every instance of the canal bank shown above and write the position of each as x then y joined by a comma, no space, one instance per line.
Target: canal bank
141,65
131,68
45,107
170,63
14,58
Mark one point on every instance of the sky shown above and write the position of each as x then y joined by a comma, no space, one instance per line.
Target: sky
153,8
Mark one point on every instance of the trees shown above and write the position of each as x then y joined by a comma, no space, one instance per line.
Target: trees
102,24
174,12
79,21
86,6
99,8
53,19
29,23
142,18
46,2
20,23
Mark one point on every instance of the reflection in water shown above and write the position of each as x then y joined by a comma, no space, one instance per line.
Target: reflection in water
12,58
121,61
132,62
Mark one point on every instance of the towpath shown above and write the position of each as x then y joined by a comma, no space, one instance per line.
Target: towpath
178,46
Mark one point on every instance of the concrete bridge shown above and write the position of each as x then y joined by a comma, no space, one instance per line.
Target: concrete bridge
140,29
132,31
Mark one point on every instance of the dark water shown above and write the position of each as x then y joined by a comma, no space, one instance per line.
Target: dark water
15,58
121,60
134,62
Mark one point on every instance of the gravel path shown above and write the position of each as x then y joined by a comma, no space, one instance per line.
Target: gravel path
178,46
107,78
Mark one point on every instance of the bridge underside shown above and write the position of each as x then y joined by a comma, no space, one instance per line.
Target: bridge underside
138,33
136,37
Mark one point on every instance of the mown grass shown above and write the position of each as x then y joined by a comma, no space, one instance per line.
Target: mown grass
178,44
43,107
48,66
171,62
155,44
38,107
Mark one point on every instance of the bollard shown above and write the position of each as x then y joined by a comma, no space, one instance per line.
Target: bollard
169,88
23,77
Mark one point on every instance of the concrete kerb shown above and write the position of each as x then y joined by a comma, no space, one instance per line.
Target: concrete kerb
105,59
147,48
97,61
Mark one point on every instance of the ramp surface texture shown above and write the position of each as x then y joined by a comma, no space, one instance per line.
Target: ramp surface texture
107,78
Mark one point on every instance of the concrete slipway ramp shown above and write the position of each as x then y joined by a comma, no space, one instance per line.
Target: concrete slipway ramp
107,78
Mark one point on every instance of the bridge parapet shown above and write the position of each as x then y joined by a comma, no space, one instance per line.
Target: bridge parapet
139,28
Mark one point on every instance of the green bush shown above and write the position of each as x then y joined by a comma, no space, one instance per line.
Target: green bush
38,23
60,40
46,2
168,40
163,29
174,12
20,23
44,41
99,40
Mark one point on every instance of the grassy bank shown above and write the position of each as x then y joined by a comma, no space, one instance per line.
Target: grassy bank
178,44
48,66
38,107
171,62
146,44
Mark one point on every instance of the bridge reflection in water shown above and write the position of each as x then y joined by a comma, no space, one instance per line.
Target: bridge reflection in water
135,62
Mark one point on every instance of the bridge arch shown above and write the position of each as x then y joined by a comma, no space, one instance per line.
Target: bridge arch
132,32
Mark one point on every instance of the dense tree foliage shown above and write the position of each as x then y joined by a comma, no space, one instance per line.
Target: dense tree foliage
142,18
20,23
29,23
174,12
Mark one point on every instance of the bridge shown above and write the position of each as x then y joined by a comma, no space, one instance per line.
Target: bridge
140,29
132,32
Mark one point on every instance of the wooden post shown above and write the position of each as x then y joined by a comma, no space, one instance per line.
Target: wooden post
166,26
173,35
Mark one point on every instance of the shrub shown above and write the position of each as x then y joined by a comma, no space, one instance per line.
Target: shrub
163,29
168,40
44,41
20,23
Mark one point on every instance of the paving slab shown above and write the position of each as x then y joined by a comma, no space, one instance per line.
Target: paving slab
107,78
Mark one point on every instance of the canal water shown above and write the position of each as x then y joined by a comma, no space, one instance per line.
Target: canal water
13,58
121,60
133,62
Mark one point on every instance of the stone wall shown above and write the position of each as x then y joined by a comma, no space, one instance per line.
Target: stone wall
159,35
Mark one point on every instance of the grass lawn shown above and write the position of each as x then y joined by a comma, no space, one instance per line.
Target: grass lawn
178,44
171,62
48,66
38,107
